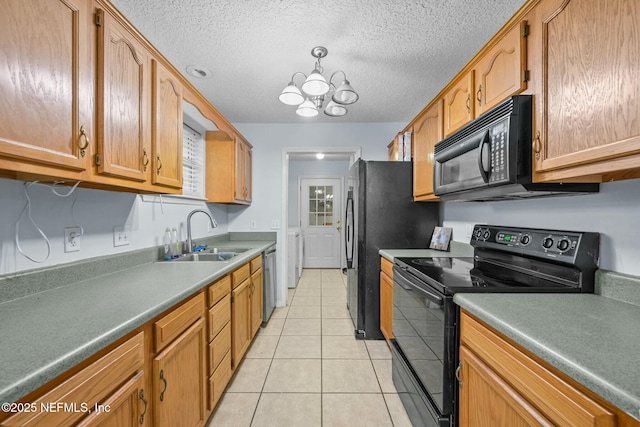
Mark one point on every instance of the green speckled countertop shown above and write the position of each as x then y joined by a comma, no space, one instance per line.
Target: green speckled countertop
593,339
46,333
456,249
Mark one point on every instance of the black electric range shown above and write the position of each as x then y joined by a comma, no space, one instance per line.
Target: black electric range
425,318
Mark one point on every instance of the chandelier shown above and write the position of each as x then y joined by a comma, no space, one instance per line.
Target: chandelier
316,89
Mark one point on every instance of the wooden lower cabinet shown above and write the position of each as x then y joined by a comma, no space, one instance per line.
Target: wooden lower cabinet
123,408
256,295
240,314
178,380
503,385
115,380
220,339
386,298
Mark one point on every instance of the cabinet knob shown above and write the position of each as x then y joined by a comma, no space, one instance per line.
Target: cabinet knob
469,103
159,164
479,95
145,159
458,374
83,135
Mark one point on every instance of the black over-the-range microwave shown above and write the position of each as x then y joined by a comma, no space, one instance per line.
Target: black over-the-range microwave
490,158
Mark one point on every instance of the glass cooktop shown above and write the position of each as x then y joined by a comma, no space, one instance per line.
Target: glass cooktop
501,274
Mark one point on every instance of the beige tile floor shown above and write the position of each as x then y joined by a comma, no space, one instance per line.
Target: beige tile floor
305,368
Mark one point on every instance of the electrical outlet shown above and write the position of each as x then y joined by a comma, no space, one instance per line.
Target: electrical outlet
275,224
253,224
72,239
469,230
121,235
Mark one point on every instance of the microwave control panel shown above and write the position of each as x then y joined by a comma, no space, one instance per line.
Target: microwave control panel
499,152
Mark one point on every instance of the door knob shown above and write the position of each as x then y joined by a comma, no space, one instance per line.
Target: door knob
338,226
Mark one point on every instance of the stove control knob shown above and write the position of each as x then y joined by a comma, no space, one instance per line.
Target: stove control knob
478,233
564,244
547,242
486,234
525,240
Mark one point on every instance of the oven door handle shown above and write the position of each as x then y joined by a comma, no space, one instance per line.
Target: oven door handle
484,156
406,283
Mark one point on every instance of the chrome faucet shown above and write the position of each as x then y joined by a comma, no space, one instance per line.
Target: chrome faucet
214,224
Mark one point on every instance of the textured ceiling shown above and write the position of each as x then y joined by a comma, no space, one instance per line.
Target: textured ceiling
396,54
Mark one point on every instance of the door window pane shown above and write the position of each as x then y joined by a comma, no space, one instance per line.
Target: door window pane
321,205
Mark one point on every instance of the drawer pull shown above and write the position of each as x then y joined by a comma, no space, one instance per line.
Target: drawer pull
141,396
83,133
164,380
458,374
145,159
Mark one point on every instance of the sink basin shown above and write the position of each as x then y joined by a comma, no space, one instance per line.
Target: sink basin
218,250
200,256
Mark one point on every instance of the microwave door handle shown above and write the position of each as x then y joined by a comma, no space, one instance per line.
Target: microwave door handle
484,157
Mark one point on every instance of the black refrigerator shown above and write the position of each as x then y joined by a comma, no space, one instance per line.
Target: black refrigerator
380,214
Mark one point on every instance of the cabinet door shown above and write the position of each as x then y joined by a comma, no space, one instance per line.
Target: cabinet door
256,301
166,128
240,318
127,407
44,88
427,132
178,373
588,124
500,73
458,106
386,306
122,102
248,160
240,188
487,400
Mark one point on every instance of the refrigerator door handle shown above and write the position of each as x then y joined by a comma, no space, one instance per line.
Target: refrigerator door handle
348,241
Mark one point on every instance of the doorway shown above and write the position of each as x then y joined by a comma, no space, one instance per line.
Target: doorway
320,210
350,154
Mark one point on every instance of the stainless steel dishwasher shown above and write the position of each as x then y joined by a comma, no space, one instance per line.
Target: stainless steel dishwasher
270,282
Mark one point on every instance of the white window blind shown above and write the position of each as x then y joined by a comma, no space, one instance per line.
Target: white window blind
192,163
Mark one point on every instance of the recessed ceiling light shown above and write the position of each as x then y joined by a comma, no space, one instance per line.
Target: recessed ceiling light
198,72
320,156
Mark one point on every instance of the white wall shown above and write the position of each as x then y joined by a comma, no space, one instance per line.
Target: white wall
310,168
614,212
97,212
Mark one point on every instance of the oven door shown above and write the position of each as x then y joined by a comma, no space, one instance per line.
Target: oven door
424,348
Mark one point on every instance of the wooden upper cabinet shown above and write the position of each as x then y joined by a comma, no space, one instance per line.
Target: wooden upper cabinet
458,104
502,71
427,132
166,127
228,169
45,119
588,107
122,101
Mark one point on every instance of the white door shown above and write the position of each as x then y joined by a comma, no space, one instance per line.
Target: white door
320,213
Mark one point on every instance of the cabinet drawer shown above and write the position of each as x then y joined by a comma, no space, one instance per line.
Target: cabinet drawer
219,289
240,275
90,386
256,264
219,316
558,400
219,347
169,327
219,380
387,267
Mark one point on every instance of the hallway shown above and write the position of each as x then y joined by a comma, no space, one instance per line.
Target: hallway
305,368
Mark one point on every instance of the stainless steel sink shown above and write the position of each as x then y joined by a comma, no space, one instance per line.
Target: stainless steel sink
200,256
217,250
